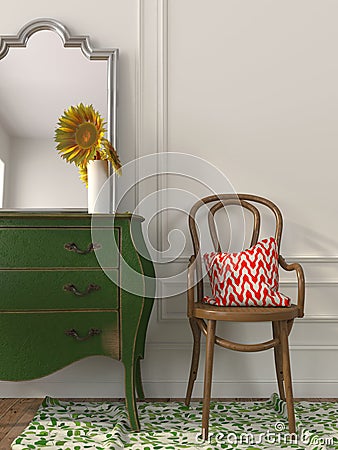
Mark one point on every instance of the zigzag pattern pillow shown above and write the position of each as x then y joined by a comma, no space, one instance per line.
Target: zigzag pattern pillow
247,278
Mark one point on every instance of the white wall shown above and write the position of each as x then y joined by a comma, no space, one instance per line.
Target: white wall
251,87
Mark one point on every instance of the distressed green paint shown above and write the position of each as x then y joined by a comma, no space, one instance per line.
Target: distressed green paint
44,247
35,310
35,344
36,289
135,311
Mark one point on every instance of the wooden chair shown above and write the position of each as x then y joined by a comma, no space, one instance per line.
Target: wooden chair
203,317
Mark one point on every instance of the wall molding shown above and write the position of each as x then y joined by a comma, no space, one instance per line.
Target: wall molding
162,79
166,381
162,109
164,315
319,318
304,259
187,346
139,88
180,318
301,259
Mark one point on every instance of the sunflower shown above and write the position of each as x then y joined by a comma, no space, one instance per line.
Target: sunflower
83,174
111,154
80,138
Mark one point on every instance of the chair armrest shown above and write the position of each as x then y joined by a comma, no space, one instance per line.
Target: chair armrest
190,291
301,282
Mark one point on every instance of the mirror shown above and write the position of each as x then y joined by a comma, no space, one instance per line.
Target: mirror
43,71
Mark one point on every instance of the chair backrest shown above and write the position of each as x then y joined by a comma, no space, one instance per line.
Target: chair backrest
219,202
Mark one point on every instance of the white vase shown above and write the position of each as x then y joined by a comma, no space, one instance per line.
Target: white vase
98,198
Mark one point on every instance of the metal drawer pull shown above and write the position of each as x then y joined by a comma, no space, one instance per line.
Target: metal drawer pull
72,247
92,332
75,291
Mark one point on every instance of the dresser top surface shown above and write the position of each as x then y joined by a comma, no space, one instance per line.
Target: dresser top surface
71,212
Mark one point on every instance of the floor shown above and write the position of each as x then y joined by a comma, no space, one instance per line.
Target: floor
16,413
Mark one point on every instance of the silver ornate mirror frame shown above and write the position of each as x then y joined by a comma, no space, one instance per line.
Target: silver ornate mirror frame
82,42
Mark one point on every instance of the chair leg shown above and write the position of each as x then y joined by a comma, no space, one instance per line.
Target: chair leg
287,375
195,358
209,358
278,360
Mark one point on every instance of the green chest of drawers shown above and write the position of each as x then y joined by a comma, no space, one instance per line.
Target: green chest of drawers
59,303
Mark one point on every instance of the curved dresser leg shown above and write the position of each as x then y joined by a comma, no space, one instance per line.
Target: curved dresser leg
138,380
129,374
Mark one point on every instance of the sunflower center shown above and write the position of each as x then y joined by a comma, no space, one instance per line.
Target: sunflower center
86,135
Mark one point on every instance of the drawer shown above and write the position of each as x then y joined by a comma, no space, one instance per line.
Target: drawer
33,345
57,247
57,289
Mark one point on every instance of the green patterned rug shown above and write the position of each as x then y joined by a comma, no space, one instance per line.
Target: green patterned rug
70,425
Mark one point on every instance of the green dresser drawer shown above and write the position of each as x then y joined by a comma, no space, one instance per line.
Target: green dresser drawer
57,289
56,247
33,345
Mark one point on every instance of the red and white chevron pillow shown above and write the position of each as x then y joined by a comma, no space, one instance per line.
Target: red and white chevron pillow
247,278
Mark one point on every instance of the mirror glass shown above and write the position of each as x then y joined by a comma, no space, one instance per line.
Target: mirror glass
37,83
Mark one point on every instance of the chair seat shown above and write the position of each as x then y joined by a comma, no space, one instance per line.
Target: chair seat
244,313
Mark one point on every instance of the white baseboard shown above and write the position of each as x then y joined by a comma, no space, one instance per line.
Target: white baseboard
164,389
